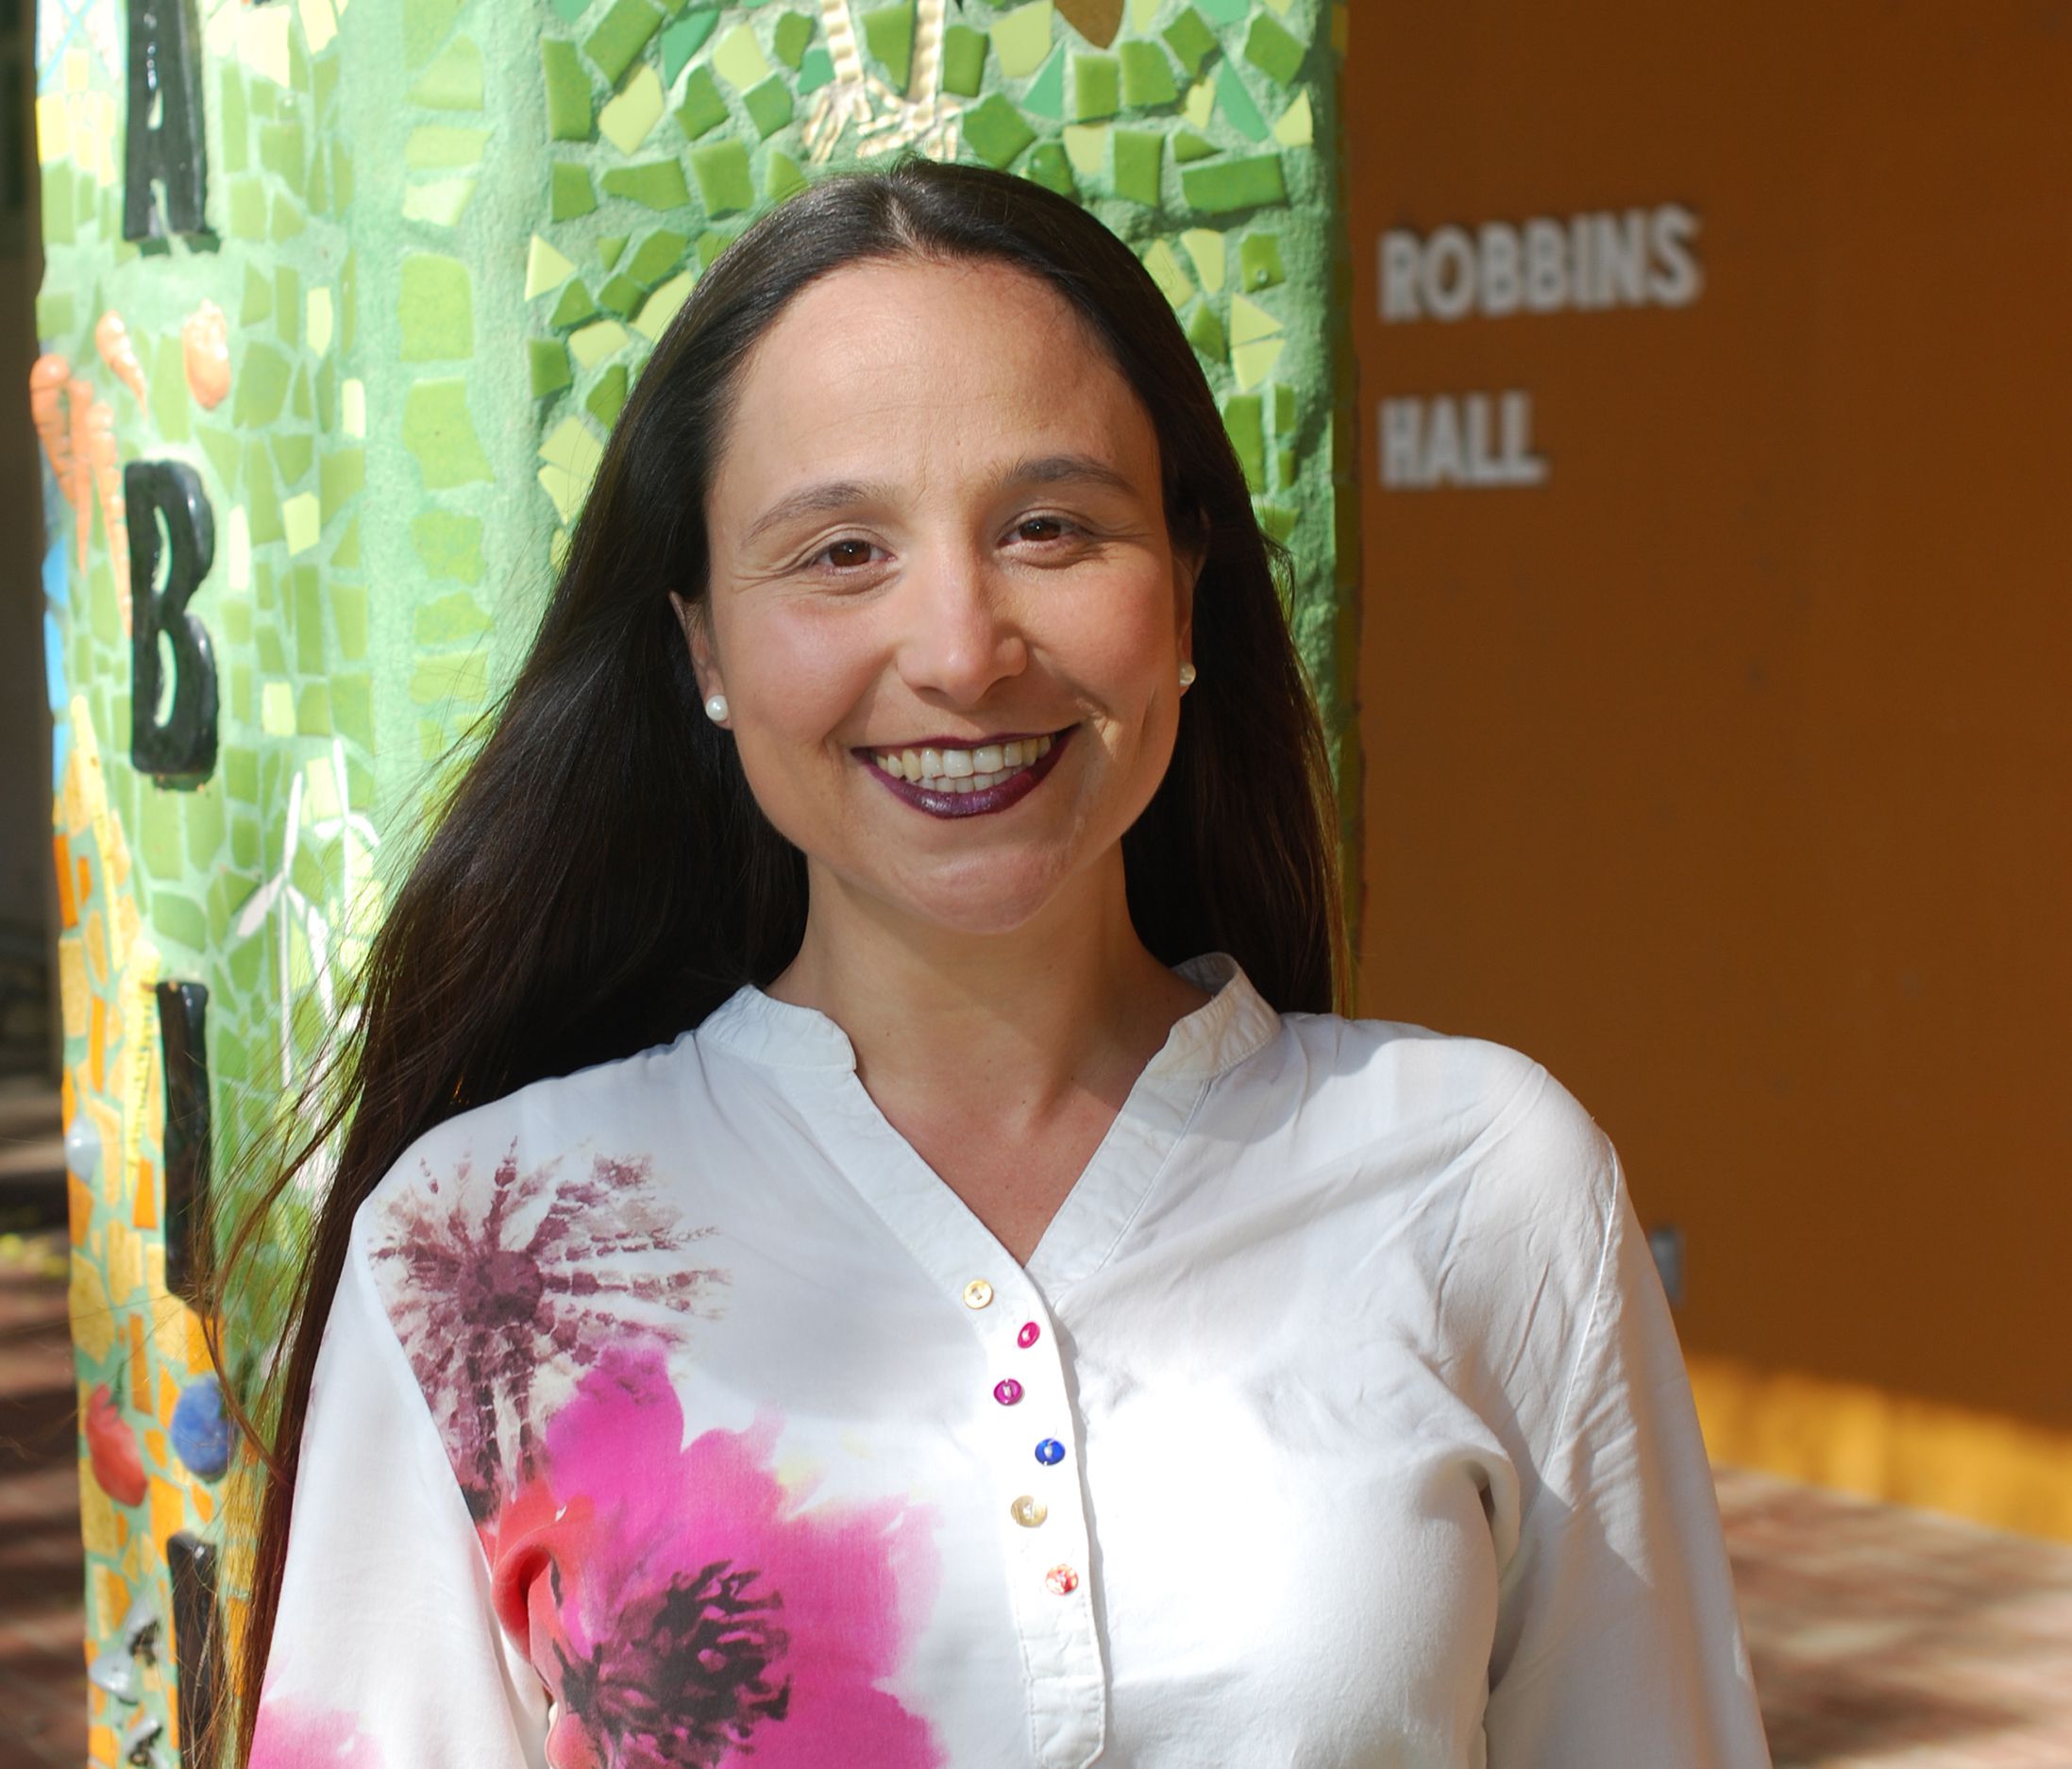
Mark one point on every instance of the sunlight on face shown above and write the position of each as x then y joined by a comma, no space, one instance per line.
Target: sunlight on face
937,532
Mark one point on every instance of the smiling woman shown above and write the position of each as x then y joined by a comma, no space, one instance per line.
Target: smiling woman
859,1238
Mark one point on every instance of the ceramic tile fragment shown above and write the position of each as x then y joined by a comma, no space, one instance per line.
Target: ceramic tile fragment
568,116
301,516
656,184
1187,146
656,256
454,80
1270,47
318,325
739,58
570,194
352,408
1204,245
1146,76
789,39
782,177
1051,167
450,542
625,120
1097,87
1096,21
1249,322
963,60
1259,263
1283,410
608,397
1297,126
661,307
1226,11
440,201
1022,38
1140,158
574,308
547,362
1046,93
546,267
1240,110
1244,418
435,305
609,247
1205,333
620,36
1223,185
592,343
1192,41
1143,13
816,71
1200,104
1088,149
703,106
769,106
721,169
262,42
994,132
1163,263
571,455
620,295
888,38
439,432
684,40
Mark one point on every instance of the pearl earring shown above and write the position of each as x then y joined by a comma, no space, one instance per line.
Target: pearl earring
1187,675
715,709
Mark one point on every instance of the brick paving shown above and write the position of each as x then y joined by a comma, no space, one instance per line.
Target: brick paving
1882,1637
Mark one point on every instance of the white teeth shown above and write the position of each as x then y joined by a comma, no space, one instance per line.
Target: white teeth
930,765
964,771
911,763
957,764
987,759
1016,754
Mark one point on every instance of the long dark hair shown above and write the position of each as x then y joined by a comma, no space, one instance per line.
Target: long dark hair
600,878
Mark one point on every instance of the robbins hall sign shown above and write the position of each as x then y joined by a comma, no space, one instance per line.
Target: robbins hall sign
1592,262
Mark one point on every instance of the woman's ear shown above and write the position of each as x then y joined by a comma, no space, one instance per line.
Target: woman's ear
697,638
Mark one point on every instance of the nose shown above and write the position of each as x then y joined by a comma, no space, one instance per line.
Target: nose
961,636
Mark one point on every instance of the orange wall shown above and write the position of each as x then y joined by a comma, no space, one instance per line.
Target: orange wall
1730,771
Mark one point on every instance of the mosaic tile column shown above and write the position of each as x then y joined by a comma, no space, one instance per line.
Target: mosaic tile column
342,298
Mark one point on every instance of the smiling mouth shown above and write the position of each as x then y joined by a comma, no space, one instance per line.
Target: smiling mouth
948,783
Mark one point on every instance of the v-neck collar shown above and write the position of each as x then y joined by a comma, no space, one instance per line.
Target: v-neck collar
936,1225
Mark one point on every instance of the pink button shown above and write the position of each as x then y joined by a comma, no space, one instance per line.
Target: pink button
1007,1392
1029,1334
1062,1580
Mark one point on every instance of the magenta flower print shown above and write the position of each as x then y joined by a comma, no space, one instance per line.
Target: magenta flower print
495,1285
291,1736
686,1607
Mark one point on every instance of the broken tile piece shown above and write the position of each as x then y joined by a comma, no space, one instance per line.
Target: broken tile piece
1240,110
1097,87
592,343
620,36
1205,333
625,120
435,305
739,58
1049,167
1244,418
769,106
1200,104
571,455
1249,322
440,201
607,399
1046,93
994,131
660,253
703,105
567,93
655,184
1220,186
609,246
721,169
1253,362
1190,38
888,38
454,82
1206,247
1022,38
1259,263
1088,147
684,40
1298,124
547,361
1187,145
782,175
570,193
1140,161
661,307
574,307
1146,76
301,516
620,295
546,267
1275,51
963,60
1163,263
439,432
788,41
816,71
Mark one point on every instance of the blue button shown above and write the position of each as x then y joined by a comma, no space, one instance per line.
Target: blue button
1050,1452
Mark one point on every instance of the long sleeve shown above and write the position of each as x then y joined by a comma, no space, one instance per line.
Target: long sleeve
386,1654
1619,1642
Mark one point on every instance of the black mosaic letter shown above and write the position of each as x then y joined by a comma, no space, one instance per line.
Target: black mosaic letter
167,139
183,751
183,1011
197,1643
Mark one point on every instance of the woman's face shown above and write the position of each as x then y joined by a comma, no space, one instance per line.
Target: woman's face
944,608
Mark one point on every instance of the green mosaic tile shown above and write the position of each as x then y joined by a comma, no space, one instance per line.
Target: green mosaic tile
346,555
352,708
627,120
782,175
436,310
1259,263
438,430
1283,410
1140,158
258,305
608,248
1046,93
620,295
963,60
262,386
349,620
684,40
1163,266
608,397
340,476
454,620
1022,38
1272,48
248,208
994,130
450,545
1226,12
1191,40
1050,166
282,152
1234,184
313,718
426,24
1205,333
293,455
568,114
570,194
179,919
1097,87
657,257
659,183
721,169
620,36
442,148
1244,418
888,39
1238,108
454,82
703,107
789,40
1188,146
739,58
1146,76
574,307
769,106
288,306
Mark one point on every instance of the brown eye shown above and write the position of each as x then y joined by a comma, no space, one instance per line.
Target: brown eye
848,553
1041,528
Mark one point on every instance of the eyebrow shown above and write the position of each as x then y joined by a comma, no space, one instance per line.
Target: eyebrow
1037,470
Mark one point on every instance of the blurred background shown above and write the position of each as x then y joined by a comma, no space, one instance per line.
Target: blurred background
1684,450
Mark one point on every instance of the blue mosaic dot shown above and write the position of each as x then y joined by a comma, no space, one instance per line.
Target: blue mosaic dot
201,1432
1050,1452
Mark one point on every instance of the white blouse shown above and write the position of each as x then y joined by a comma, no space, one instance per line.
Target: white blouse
676,1413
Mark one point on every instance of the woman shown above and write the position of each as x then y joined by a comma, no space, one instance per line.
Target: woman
859,1240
